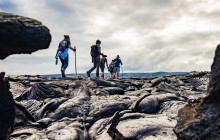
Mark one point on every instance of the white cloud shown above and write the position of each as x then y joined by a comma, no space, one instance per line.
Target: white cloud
149,35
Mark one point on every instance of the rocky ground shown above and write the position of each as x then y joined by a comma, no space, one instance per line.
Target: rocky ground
201,120
90,108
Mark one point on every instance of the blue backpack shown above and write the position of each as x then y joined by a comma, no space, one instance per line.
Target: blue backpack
110,68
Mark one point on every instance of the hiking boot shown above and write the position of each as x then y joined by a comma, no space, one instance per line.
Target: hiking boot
88,74
63,73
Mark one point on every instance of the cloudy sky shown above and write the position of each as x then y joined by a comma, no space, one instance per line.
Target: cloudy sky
149,35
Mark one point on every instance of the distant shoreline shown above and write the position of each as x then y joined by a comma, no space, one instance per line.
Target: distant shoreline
124,75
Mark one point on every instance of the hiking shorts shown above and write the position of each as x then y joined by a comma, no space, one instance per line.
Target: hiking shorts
102,68
117,69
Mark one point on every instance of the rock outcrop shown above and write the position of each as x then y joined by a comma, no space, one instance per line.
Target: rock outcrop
7,109
21,35
201,119
90,108
18,35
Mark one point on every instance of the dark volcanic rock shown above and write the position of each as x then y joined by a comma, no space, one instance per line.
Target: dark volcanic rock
21,35
202,120
18,35
39,91
7,110
92,108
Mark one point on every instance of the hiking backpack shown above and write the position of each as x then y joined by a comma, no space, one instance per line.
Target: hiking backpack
94,51
62,45
110,68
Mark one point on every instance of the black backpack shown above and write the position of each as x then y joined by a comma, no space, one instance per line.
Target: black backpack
63,45
94,51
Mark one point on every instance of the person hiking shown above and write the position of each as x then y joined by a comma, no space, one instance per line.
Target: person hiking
117,62
111,69
62,53
95,53
102,64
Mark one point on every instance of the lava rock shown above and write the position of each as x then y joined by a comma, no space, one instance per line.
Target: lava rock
201,120
7,109
21,35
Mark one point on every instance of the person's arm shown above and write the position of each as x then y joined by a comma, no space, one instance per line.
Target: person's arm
100,53
69,46
106,63
73,49
99,50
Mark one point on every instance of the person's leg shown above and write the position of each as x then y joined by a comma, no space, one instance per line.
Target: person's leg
94,66
65,65
62,62
117,75
114,72
62,67
112,75
66,62
102,70
118,71
97,66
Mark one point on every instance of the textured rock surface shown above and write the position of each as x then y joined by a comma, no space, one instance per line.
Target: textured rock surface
91,108
7,110
21,35
201,119
18,35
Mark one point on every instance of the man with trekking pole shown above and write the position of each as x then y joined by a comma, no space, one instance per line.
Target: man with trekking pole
117,61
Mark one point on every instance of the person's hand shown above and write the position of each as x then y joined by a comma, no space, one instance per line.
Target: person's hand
74,48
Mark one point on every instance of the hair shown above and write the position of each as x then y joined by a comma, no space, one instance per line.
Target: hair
66,36
98,41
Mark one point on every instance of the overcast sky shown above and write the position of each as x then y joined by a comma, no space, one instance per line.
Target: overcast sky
149,35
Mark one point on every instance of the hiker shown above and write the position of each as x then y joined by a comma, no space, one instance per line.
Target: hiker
62,53
102,64
95,53
117,62
111,69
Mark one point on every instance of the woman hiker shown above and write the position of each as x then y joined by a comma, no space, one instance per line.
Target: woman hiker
62,53
111,69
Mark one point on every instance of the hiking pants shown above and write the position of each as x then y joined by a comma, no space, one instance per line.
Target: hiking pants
64,62
96,65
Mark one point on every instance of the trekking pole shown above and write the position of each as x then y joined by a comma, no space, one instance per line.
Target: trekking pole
75,60
122,71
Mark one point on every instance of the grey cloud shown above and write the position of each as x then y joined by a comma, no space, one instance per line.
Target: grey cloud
149,51
8,6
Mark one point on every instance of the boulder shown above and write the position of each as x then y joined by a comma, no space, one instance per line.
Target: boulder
7,109
21,35
18,35
201,120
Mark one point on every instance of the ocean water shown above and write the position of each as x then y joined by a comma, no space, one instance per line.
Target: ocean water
124,75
